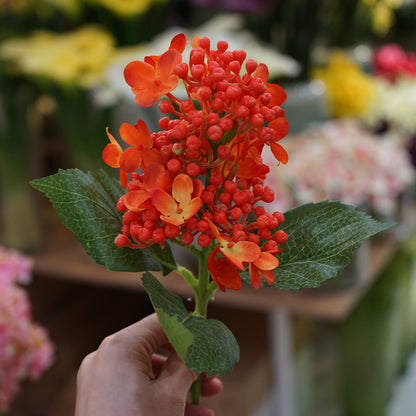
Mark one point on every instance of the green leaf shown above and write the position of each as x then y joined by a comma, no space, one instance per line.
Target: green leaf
86,203
322,238
204,345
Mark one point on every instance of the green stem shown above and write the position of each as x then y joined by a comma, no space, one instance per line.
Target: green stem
203,292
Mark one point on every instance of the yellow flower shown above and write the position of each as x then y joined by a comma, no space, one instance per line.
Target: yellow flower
382,14
127,7
349,89
76,57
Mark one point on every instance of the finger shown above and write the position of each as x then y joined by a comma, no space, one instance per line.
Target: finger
211,386
84,382
135,345
175,373
194,410
158,361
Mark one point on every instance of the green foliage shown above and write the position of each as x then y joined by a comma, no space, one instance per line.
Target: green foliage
205,345
86,203
322,238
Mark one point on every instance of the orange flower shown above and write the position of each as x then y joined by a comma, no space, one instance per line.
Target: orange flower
264,265
236,254
149,81
155,176
131,158
180,206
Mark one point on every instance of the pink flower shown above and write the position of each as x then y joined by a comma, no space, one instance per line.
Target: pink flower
25,349
391,61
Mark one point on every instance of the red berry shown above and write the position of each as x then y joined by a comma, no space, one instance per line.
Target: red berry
203,226
215,133
187,238
122,241
204,240
181,70
166,106
230,186
174,165
158,235
280,236
224,152
171,230
193,169
222,46
236,213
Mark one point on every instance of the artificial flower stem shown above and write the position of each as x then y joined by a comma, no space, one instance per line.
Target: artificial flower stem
203,293
196,391
188,277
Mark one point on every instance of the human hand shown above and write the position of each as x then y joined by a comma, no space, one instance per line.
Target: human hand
125,377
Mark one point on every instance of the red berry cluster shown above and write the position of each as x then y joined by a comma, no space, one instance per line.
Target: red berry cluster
215,137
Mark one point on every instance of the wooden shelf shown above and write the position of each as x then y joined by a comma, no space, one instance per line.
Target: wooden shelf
66,259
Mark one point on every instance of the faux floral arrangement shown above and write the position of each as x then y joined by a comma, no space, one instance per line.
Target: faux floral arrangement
342,160
198,183
25,348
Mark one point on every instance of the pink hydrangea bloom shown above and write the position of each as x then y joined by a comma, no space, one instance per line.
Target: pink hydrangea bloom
25,348
340,160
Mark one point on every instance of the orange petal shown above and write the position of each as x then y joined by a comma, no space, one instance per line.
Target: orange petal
198,188
145,138
130,134
178,42
151,157
241,252
215,231
147,97
134,200
254,154
213,269
261,72
164,202
182,188
278,94
155,176
123,178
192,208
229,277
247,168
279,152
269,276
139,75
111,155
280,126
167,63
223,273
111,137
255,277
266,261
131,159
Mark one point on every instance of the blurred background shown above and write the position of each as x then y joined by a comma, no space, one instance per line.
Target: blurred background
349,70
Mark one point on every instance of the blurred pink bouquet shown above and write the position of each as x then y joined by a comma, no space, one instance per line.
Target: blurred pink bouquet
390,61
341,160
25,349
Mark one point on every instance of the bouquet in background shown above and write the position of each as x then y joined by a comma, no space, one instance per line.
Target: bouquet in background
25,348
342,160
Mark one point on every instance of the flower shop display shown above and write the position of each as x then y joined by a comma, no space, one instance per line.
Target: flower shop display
198,182
343,160
349,88
25,348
